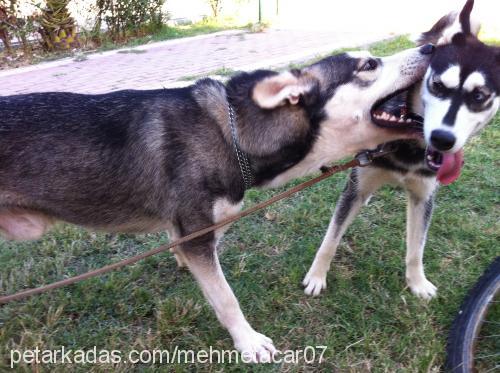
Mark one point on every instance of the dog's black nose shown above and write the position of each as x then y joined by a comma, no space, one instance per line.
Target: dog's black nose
427,49
442,140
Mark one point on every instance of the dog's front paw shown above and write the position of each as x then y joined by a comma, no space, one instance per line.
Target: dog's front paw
314,283
255,347
423,288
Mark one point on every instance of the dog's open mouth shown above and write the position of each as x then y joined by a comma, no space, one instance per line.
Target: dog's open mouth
394,111
447,166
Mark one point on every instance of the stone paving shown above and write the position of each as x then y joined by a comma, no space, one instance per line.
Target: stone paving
174,62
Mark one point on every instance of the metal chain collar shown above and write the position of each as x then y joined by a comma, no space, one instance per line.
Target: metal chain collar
246,171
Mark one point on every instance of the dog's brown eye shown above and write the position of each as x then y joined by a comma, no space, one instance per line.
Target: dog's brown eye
369,65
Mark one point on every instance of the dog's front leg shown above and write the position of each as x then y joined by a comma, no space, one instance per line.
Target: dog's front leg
419,213
362,183
208,272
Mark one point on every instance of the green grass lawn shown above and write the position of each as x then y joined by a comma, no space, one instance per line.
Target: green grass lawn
366,317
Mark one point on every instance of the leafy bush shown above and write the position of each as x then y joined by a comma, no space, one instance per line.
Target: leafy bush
12,24
125,18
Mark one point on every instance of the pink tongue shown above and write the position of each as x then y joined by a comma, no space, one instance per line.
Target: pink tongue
450,167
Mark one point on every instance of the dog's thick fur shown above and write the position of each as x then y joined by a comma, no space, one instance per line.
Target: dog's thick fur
458,49
144,161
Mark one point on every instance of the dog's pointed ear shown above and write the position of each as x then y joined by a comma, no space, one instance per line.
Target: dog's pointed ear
436,32
463,27
444,31
464,17
280,89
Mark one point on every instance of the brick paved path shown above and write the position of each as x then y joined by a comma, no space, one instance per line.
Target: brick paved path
166,63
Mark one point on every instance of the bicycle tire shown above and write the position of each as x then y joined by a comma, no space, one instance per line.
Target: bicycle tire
467,324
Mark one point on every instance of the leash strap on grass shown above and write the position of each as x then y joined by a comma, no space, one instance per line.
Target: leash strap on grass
362,159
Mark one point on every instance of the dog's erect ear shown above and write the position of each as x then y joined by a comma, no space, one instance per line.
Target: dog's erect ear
280,89
447,27
464,17
464,26
436,32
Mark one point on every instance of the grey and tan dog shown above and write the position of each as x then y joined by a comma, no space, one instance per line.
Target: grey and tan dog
165,160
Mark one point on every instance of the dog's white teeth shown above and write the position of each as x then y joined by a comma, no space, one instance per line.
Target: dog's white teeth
392,118
408,121
385,116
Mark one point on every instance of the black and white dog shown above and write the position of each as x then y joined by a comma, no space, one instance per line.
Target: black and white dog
458,97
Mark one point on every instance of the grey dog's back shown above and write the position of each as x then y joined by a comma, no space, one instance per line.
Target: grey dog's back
120,154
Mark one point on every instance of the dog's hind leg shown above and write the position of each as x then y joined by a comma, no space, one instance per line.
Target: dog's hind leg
362,183
419,213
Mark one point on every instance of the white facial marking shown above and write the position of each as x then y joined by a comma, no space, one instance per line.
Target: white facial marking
434,112
467,123
474,80
451,77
